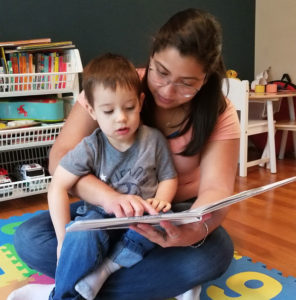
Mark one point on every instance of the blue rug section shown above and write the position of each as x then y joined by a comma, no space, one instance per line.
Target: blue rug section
245,280
8,226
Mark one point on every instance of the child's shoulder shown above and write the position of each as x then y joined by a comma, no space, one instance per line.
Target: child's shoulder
150,131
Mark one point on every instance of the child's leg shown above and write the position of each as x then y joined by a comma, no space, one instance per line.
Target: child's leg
127,252
81,252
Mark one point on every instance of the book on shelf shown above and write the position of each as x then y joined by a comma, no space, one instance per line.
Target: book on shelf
178,218
56,45
35,63
24,42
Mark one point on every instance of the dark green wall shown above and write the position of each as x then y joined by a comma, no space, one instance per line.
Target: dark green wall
126,26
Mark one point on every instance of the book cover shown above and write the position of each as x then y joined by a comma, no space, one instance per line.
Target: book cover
24,42
44,45
184,217
15,69
3,59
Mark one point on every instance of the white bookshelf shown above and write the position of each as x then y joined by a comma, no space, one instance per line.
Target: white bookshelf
32,144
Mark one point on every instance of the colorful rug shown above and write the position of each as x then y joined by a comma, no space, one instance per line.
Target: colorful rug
244,280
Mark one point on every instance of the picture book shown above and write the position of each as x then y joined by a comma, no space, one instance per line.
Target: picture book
184,217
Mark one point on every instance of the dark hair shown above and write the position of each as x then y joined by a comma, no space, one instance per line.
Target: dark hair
110,70
195,33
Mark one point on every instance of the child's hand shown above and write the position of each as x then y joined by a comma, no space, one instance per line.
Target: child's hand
128,206
159,205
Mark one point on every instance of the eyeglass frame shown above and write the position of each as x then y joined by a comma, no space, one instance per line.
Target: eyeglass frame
175,84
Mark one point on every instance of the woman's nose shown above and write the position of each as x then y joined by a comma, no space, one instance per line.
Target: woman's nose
168,90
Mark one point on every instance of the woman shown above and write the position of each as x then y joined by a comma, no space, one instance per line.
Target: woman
184,100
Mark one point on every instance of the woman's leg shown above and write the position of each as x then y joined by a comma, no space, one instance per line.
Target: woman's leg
167,272
36,244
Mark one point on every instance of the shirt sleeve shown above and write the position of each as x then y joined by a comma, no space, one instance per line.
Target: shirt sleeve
80,160
227,126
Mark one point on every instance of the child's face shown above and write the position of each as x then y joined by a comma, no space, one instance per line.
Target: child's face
118,114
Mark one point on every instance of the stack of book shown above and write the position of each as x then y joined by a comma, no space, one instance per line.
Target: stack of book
34,57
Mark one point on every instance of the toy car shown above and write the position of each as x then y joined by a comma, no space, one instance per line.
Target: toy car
34,175
6,189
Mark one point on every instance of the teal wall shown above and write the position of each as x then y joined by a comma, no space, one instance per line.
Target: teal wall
126,26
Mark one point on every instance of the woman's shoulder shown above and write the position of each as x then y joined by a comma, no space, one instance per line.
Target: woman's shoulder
227,126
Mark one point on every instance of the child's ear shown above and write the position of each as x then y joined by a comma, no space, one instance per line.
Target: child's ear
91,111
141,99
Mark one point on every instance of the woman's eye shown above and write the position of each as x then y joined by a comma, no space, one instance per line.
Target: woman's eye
187,84
130,108
108,112
162,73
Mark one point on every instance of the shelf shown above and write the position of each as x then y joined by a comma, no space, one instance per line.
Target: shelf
26,188
32,144
36,84
29,84
29,137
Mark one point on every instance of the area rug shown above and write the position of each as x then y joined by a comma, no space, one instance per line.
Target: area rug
244,280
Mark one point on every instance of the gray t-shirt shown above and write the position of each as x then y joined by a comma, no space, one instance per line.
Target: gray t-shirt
135,171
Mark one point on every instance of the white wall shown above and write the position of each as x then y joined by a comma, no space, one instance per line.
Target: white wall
275,38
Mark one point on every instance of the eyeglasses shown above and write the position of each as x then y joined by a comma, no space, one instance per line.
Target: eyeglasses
162,80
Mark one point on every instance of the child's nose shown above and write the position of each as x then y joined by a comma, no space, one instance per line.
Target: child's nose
121,116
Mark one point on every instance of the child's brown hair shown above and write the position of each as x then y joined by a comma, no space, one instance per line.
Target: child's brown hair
110,70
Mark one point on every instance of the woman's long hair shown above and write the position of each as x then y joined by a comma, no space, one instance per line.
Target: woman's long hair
195,33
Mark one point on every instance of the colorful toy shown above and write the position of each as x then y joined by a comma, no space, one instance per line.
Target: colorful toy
231,74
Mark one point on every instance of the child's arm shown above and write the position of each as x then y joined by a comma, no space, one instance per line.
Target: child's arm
58,201
164,195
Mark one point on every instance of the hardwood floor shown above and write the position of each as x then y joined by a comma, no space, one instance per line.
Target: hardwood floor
262,227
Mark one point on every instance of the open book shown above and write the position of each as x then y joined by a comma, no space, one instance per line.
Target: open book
184,217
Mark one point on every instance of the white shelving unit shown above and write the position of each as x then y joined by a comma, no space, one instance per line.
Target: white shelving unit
32,144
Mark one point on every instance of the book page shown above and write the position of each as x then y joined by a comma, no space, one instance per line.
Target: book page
185,217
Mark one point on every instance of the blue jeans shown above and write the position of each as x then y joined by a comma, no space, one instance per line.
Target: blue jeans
163,273
84,251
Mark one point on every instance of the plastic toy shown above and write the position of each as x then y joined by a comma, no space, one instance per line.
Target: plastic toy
261,79
34,175
5,188
231,74
46,110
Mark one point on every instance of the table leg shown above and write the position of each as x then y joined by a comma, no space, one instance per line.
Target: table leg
292,118
271,140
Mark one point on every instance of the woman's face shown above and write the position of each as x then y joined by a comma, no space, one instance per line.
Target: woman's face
174,79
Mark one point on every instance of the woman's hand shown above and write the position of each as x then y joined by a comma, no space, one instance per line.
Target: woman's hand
171,235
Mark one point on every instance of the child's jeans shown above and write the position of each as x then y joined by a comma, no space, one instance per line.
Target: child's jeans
83,251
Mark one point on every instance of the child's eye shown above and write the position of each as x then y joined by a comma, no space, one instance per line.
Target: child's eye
130,107
108,112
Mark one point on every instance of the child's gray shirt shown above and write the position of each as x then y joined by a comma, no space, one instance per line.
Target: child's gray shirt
136,171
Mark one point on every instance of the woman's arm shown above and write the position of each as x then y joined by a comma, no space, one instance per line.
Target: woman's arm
78,125
217,175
